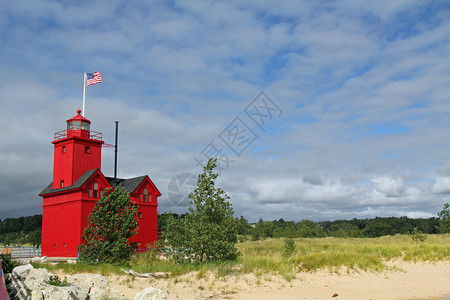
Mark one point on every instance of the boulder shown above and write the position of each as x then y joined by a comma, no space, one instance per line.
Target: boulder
38,259
95,285
151,293
22,271
50,292
36,278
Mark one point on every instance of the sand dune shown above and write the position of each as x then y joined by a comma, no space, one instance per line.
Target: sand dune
403,281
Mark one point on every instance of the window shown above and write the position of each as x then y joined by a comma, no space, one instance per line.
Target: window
95,190
85,125
87,149
139,215
63,149
101,193
74,125
90,192
62,183
145,195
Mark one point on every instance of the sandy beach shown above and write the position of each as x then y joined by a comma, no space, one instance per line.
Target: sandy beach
422,280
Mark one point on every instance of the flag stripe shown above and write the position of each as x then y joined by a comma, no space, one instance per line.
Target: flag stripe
93,78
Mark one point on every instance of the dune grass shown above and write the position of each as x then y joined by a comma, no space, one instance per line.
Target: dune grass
335,253
267,257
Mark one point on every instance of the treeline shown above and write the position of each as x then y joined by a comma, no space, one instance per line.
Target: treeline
340,228
27,230
23,230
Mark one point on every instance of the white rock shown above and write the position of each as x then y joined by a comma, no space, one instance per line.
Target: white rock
22,271
71,261
36,259
50,292
151,293
95,285
36,278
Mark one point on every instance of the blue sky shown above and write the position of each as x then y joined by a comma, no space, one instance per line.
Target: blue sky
359,91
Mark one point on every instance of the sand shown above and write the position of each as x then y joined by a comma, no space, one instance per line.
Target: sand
423,280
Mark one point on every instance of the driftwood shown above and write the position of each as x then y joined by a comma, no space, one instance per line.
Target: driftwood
146,275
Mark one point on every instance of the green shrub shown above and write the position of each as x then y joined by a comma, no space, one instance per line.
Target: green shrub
54,280
418,236
289,247
7,263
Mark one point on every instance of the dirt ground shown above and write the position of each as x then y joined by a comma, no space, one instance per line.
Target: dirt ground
403,281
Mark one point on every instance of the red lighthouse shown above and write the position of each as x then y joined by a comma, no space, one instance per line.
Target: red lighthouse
78,183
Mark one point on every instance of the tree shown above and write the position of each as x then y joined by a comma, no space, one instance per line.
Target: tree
243,227
444,219
110,226
209,230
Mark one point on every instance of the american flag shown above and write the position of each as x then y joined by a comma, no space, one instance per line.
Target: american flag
93,78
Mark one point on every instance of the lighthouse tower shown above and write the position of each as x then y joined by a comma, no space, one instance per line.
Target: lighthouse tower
77,150
78,183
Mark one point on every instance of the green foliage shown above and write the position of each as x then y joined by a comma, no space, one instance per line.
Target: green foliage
165,217
54,280
289,247
377,228
243,228
418,236
210,230
110,226
22,230
7,263
444,219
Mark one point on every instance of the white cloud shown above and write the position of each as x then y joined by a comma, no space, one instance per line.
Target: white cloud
441,186
391,187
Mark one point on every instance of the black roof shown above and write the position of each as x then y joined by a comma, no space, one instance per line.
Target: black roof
128,184
77,184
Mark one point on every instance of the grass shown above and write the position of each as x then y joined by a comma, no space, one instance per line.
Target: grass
268,257
334,253
102,269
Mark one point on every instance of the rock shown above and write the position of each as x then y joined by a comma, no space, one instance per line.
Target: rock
22,271
71,261
50,292
95,285
86,282
36,278
36,259
25,282
151,293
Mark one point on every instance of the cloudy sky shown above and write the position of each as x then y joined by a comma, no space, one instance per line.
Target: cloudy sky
316,110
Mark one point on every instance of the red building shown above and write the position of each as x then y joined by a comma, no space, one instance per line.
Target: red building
78,183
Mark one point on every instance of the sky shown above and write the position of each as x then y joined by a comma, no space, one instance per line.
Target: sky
318,110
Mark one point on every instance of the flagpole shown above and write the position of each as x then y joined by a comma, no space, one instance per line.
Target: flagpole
84,90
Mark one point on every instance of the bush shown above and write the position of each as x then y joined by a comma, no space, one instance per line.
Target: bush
418,236
7,263
110,226
54,280
289,247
